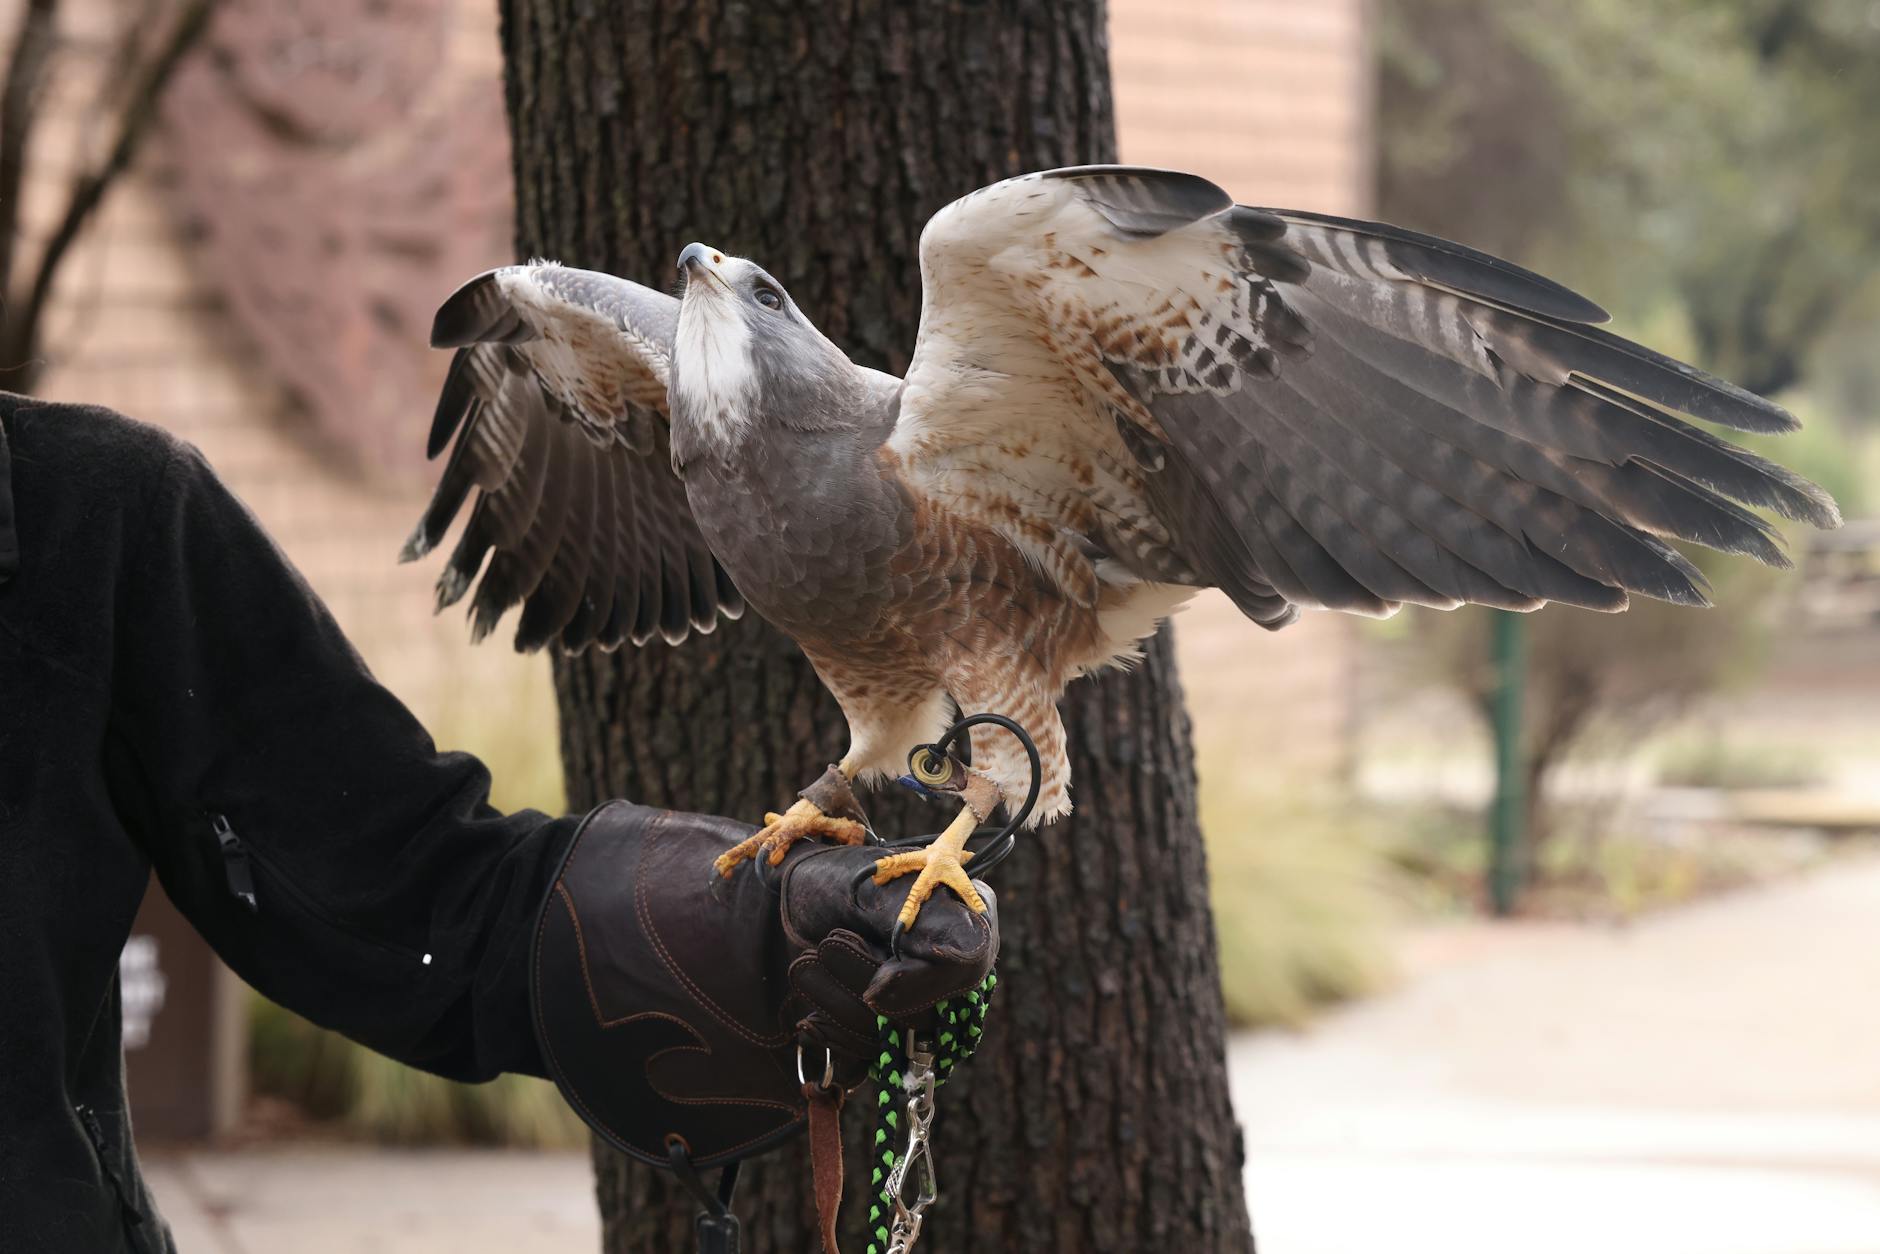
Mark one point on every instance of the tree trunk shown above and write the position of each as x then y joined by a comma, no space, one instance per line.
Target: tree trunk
817,138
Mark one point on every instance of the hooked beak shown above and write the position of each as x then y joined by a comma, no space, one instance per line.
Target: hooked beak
699,261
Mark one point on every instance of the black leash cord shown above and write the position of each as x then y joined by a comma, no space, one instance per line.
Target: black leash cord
1001,846
1003,839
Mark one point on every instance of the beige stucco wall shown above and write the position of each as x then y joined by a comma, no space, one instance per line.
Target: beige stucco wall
1269,98
135,326
1272,100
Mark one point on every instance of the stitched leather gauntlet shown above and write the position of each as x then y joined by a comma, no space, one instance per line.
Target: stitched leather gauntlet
670,1002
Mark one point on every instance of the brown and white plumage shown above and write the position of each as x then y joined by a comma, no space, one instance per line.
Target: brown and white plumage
1125,388
557,397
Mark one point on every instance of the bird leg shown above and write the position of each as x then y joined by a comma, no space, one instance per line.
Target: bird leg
810,816
943,861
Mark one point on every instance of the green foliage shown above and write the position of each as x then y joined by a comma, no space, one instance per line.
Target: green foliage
509,723
1600,862
1711,760
1715,156
369,1095
1439,854
1618,866
1707,172
1610,677
1824,452
1300,902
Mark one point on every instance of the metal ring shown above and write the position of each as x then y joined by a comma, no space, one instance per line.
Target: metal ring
945,745
829,1068
1002,845
930,765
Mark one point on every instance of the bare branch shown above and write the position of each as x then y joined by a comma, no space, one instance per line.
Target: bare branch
19,98
20,342
137,28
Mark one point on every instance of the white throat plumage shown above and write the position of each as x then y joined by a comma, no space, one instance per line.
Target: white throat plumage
714,380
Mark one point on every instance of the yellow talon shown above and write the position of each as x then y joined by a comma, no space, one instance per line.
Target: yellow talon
942,862
781,831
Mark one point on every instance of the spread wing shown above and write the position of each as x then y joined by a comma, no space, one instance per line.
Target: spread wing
557,397
1309,411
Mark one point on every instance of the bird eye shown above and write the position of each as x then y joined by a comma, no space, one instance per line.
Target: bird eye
768,298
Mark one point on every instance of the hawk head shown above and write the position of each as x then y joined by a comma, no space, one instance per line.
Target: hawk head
745,358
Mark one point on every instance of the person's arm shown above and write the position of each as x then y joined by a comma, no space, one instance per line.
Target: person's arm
297,813
302,820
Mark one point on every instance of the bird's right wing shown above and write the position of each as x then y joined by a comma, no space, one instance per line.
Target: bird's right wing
1310,411
557,397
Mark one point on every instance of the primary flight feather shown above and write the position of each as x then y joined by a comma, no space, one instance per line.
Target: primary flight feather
1126,388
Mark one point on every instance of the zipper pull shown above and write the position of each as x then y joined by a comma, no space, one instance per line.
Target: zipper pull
107,1166
94,1131
241,880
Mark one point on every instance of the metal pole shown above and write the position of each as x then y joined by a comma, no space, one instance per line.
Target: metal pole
1506,845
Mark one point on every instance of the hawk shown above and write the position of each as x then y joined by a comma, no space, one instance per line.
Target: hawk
1126,388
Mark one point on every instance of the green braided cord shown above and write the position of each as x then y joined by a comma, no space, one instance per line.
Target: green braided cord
962,1021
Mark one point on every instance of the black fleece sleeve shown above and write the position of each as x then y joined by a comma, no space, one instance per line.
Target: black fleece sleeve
298,814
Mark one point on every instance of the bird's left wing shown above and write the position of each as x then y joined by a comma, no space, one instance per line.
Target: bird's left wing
1309,411
557,399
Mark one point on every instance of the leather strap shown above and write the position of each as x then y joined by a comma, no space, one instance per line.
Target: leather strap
832,795
980,794
825,1157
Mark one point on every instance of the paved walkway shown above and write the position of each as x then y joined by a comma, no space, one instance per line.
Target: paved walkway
1707,1082
347,1199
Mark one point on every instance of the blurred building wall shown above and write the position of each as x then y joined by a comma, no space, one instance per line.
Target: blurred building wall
1269,97
1272,100
141,322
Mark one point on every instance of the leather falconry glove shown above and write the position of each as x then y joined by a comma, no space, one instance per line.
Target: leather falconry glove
670,1005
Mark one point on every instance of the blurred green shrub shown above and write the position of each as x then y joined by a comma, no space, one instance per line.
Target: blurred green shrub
1601,862
1714,761
333,1079
1706,171
511,726
1606,680
1301,902
1715,157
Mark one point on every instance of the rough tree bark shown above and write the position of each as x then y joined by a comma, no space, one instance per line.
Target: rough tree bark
817,138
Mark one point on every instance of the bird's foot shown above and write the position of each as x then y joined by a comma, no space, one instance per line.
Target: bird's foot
781,831
942,862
